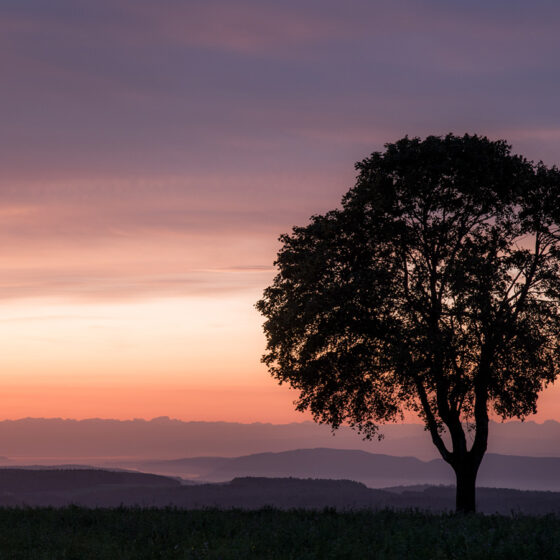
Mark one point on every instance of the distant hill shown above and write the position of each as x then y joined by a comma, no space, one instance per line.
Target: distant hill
93,441
57,487
374,470
35,480
96,488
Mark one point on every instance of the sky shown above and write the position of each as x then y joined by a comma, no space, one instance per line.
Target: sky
151,152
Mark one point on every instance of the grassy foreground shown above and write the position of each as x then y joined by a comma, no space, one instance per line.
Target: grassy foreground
128,533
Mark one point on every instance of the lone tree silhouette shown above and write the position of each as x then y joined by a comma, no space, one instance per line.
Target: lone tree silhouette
435,289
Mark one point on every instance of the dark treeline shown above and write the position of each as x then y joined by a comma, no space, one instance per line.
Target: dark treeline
98,488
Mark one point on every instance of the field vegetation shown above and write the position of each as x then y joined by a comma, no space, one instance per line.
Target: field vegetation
150,533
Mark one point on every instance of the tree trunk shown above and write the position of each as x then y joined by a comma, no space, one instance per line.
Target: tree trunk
465,498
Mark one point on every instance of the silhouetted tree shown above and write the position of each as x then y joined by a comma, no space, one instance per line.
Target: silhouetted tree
435,288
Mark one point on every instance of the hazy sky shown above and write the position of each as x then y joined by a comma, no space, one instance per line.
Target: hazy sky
151,152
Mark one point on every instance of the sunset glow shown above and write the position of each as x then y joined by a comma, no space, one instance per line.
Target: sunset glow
152,153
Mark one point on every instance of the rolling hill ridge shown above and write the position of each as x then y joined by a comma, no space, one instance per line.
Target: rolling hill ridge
373,470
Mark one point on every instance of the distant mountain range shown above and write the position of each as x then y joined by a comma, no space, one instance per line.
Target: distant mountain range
373,470
100,488
55,440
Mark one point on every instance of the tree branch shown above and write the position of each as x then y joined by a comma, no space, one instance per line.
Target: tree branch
431,422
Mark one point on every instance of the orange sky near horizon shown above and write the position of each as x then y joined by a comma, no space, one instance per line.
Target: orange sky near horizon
188,358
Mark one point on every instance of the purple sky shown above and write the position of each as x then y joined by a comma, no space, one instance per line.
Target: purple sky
226,116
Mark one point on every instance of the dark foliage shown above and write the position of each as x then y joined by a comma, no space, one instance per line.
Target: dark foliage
435,288
268,534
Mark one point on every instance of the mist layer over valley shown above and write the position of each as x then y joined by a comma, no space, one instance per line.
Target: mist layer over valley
523,456
56,440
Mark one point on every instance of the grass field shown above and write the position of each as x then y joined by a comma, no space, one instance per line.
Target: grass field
127,533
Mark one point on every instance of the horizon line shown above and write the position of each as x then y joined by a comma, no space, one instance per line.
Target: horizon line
171,419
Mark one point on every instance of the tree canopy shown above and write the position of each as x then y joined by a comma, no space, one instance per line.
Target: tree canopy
435,288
